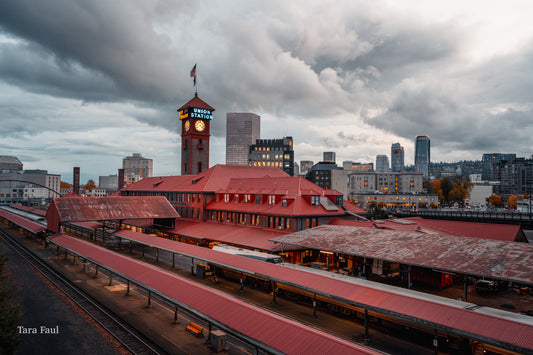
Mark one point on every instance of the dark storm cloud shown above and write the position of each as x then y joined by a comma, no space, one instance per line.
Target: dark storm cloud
117,40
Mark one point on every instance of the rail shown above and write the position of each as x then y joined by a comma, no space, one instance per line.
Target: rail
133,341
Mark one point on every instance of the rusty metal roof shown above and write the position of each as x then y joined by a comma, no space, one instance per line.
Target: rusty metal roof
472,256
110,208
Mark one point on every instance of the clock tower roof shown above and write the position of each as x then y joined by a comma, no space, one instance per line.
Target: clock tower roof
196,102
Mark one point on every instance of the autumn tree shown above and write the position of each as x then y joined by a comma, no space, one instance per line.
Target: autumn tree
65,185
90,185
513,201
495,200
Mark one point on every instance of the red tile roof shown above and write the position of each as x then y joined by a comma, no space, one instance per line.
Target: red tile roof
196,102
210,180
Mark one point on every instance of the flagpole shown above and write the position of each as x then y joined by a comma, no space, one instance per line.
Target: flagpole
196,85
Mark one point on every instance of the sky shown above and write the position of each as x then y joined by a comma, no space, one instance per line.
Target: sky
87,83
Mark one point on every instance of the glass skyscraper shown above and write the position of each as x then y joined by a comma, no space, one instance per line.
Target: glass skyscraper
397,158
242,130
422,156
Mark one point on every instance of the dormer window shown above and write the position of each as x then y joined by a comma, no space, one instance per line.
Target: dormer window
258,199
226,198
236,198
284,203
247,198
315,200
271,199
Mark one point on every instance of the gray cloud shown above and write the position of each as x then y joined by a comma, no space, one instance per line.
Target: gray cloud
365,66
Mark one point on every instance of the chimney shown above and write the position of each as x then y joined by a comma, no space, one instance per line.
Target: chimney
76,180
120,179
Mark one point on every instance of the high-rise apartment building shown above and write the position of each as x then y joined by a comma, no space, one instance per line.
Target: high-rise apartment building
278,153
330,157
491,158
382,163
242,130
136,167
515,176
422,155
397,158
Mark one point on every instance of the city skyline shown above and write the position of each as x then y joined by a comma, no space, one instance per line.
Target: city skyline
348,77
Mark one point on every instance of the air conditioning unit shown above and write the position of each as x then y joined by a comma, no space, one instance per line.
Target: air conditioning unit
217,340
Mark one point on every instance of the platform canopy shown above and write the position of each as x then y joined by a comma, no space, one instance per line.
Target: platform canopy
117,208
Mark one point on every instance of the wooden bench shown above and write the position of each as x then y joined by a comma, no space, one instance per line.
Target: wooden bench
195,329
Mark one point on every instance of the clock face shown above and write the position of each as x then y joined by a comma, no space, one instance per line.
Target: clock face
187,125
199,125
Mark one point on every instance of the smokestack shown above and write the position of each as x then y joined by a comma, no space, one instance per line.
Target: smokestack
76,180
120,179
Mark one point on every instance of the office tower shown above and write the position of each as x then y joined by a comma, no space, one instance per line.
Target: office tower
491,158
195,117
136,167
242,130
382,163
397,158
330,157
273,153
422,155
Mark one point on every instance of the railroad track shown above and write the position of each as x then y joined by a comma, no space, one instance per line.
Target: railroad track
126,335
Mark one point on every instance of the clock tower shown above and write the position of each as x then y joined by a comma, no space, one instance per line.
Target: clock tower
195,117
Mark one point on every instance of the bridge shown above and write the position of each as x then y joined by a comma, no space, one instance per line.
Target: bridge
507,217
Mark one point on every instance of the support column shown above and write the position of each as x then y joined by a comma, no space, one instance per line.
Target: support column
157,255
465,292
110,278
149,298
173,262
128,287
409,277
366,323
175,314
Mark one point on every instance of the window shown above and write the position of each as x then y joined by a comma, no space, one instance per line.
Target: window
271,199
315,200
236,199
226,198
258,199
283,203
247,198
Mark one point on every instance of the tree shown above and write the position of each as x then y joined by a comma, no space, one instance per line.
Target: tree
512,201
374,211
495,200
90,185
65,185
